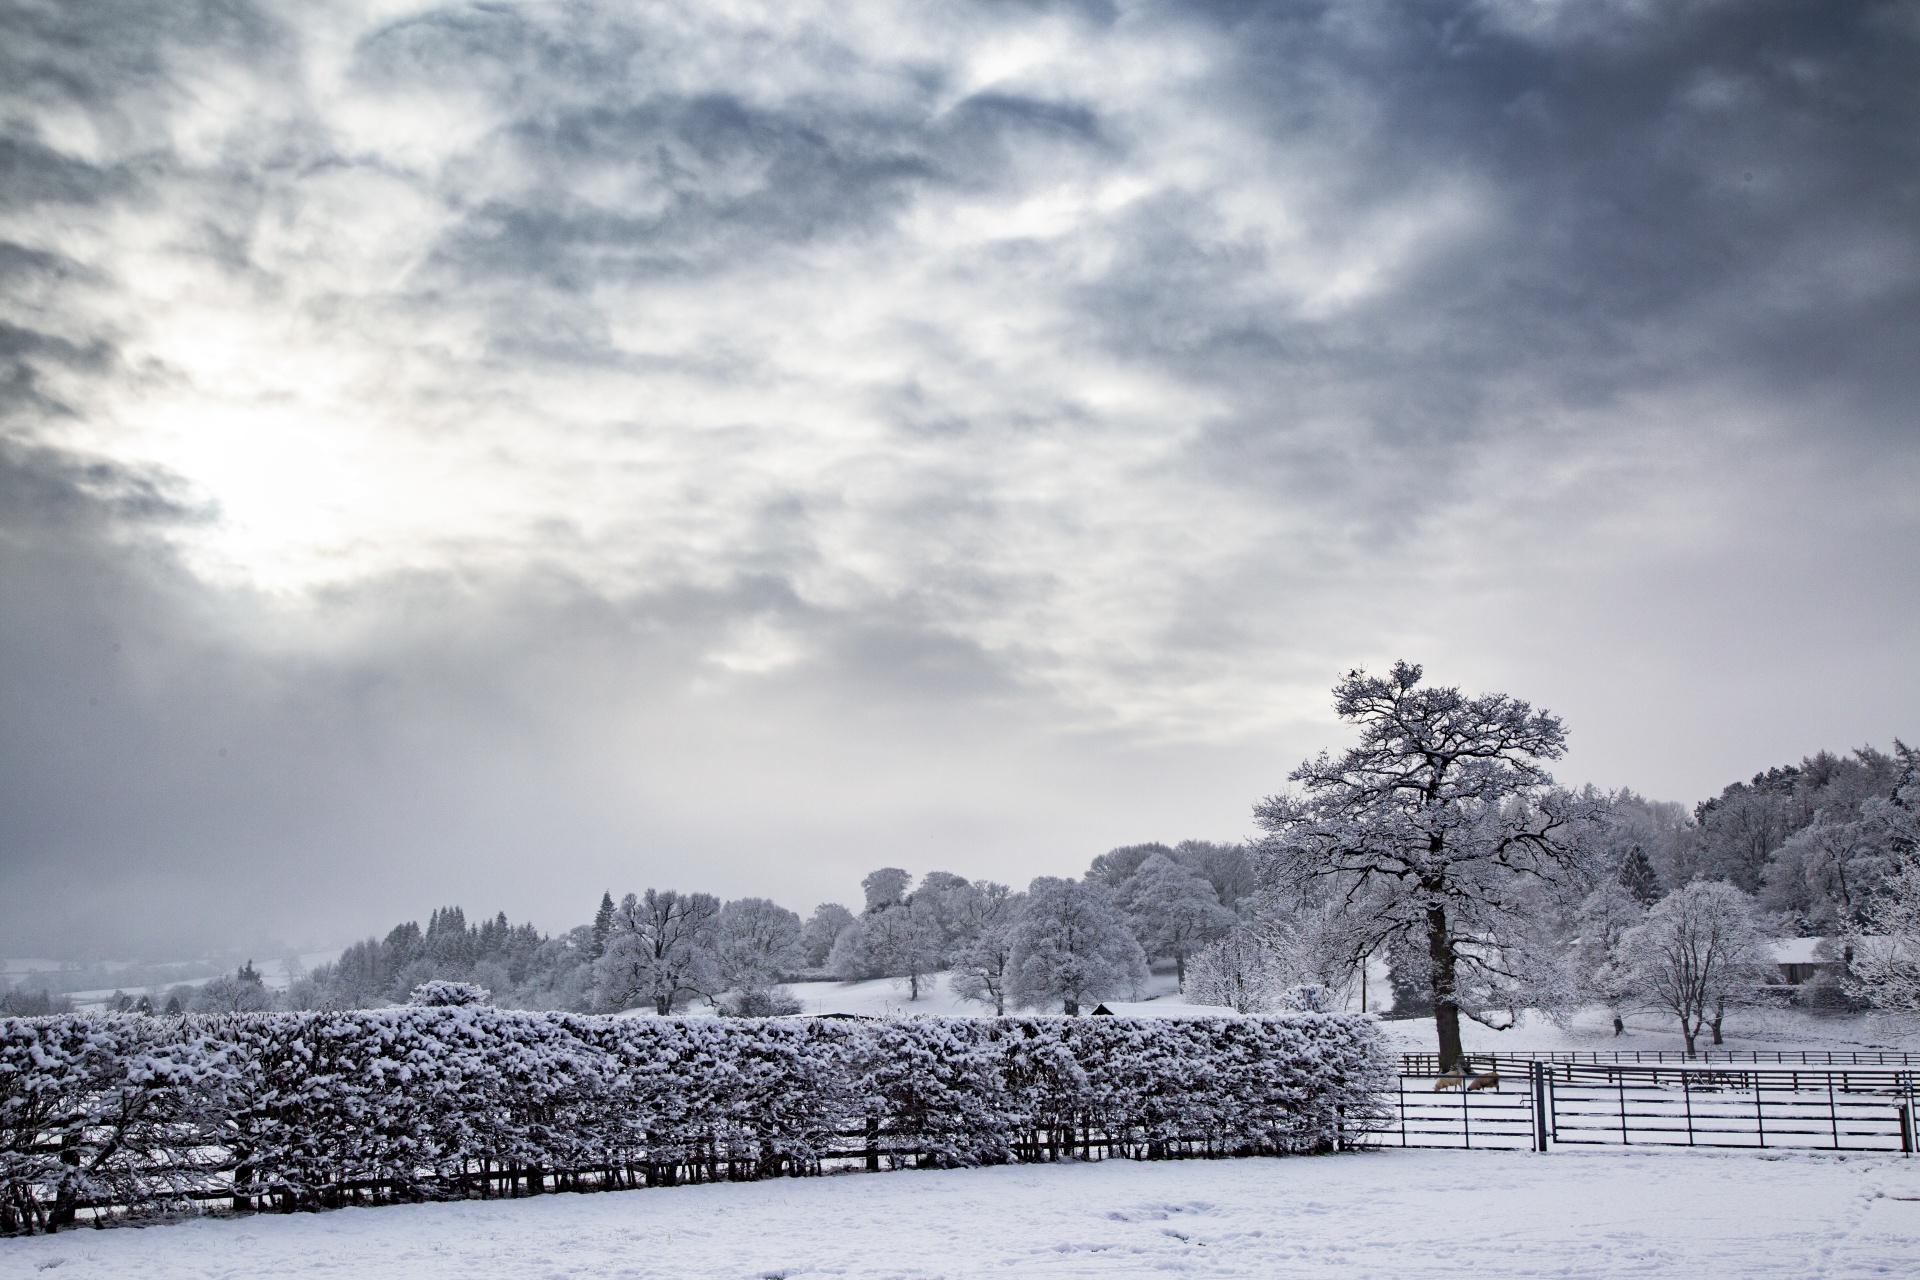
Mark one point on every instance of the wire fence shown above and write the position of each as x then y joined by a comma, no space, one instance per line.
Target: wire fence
1517,1103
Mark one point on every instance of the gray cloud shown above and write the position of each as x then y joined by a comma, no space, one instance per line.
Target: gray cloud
550,447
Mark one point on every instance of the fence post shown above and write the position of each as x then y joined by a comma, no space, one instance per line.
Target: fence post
1907,1119
1538,1073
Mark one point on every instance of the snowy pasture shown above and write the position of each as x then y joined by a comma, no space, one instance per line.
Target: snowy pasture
1387,1214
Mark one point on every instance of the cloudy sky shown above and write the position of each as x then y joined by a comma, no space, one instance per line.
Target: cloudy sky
493,453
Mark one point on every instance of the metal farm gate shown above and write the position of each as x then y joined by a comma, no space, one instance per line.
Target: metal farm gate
1522,1103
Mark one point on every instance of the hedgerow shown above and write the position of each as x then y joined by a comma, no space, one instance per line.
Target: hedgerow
310,1110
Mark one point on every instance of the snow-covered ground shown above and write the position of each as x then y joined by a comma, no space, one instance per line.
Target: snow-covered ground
1764,1029
276,974
1388,1214
890,997
1592,1029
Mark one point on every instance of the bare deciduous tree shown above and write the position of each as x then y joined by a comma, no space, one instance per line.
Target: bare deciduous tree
1699,951
1428,826
660,951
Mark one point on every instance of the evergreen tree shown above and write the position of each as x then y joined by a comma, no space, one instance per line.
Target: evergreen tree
1638,877
602,925
1409,975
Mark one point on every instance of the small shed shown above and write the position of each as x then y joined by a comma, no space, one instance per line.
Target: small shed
1803,959
1160,1009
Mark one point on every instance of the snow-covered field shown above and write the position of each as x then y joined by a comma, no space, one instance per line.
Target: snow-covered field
1389,1214
890,997
1761,1029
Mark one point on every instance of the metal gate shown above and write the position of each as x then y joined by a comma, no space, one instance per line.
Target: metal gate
1518,1103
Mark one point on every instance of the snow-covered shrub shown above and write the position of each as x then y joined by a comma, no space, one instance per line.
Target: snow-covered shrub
318,1108
759,1002
113,1107
1239,971
440,993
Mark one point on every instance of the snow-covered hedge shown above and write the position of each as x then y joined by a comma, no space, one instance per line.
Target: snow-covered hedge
310,1109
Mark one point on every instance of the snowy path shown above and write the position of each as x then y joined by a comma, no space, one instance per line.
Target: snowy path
1388,1214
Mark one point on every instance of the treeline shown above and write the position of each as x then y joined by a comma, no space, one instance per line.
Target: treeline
1633,906
1441,842
1550,899
1060,943
1802,838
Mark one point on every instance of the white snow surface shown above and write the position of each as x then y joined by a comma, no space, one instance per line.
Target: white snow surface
1394,1214
1591,1029
1765,1030
891,998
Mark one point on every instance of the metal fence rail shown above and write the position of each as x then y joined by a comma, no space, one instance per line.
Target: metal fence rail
1848,1079
1514,1103
1491,1118
1415,1064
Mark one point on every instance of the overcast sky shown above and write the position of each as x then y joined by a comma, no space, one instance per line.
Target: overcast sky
494,454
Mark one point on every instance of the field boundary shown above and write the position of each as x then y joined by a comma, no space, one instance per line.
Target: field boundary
1518,1103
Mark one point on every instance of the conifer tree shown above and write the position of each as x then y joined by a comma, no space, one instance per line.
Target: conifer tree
602,925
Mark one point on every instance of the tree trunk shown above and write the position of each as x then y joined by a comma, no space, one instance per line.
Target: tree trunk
1687,1031
913,986
1715,1024
1072,1007
1446,1013
1618,1025
663,1005
1180,968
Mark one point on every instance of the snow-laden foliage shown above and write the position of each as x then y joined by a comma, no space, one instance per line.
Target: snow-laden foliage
1072,946
1441,826
440,993
1886,967
1701,950
302,1110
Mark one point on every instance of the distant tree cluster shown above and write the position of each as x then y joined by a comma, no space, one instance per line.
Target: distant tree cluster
1439,844
521,967
17,1002
1061,944
1442,844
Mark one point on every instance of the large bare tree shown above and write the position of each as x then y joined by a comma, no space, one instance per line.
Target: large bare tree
660,951
1439,824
